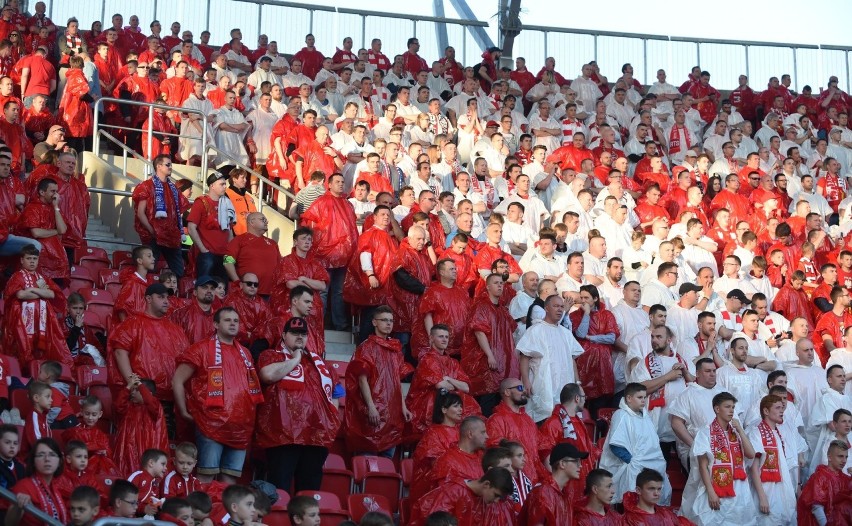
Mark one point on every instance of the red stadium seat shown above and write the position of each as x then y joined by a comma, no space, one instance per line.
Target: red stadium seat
339,367
94,254
120,256
66,376
97,297
185,285
94,265
331,513
404,510
81,278
362,503
277,518
406,469
378,475
108,276
89,375
103,311
12,366
113,288
93,323
21,401
283,500
336,478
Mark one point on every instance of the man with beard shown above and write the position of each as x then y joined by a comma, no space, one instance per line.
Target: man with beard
196,318
511,422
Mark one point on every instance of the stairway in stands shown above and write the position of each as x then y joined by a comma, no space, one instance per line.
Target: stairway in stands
339,344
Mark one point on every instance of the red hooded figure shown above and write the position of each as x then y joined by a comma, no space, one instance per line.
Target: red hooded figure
497,324
141,426
437,440
517,427
75,109
415,265
595,364
131,297
380,361
823,489
332,219
291,269
53,261
447,305
382,246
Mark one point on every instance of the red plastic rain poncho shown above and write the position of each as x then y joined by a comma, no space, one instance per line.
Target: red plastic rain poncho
166,228
554,430
74,111
380,360
823,488
131,297
546,505
436,231
433,367
196,324
335,233
454,497
436,441
140,427
405,303
518,427
498,325
356,288
291,267
152,358
662,516
252,312
232,424
449,306
53,261
595,364
97,442
304,415
271,329
32,328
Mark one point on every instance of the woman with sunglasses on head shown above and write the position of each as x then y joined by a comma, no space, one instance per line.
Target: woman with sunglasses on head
44,465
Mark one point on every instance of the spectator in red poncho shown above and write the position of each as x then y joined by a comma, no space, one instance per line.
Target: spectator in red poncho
196,317
299,415
441,435
32,301
565,425
77,471
96,440
462,460
412,270
443,302
335,237
791,301
221,394
42,219
253,252
300,267
161,142
437,372
510,421
159,208
467,500
411,61
141,427
820,492
310,57
133,351
706,97
44,465
546,505
38,120
369,273
641,507
488,355
596,331
243,297
373,389
13,135
134,281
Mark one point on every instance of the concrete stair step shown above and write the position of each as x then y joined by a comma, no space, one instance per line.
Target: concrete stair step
338,336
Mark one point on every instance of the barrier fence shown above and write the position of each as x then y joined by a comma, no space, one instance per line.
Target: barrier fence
288,22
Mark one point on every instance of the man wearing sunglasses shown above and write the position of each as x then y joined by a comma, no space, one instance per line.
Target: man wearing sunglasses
510,421
248,304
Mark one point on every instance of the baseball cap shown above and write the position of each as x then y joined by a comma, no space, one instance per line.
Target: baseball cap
296,325
205,280
492,124
156,288
564,450
688,287
215,176
690,153
740,295
265,58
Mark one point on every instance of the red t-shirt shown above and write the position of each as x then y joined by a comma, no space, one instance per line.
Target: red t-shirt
41,73
255,254
205,214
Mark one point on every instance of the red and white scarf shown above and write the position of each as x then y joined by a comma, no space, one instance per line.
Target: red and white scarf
295,380
483,188
727,451
73,41
53,504
34,312
568,428
675,145
770,471
727,317
770,325
216,376
655,367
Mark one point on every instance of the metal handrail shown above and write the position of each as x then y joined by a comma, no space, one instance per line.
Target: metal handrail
261,179
31,509
363,12
149,167
151,107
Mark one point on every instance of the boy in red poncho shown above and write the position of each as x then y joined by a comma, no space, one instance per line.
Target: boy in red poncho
596,510
467,500
131,297
373,389
141,424
641,508
88,432
546,504
77,472
791,301
32,328
820,492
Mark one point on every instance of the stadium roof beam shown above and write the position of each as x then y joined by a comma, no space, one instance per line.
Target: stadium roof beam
480,36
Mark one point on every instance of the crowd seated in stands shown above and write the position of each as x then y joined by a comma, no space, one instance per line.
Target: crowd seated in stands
613,303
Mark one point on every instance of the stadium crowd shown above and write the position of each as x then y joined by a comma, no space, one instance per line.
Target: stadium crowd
593,288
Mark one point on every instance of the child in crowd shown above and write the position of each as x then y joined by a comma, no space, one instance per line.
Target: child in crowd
202,506
75,473
239,503
123,497
177,511
149,479
35,424
180,482
808,266
643,504
303,511
636,258
777,271
141,424
88,432
170,281
376,518
84,506
60,416
11,469
523,485
596,508
83,350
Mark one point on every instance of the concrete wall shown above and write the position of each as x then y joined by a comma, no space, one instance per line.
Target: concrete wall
108,172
